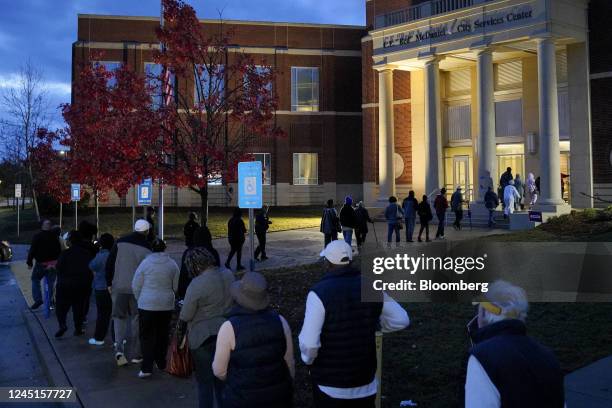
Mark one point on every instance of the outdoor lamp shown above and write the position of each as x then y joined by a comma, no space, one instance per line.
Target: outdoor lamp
532,143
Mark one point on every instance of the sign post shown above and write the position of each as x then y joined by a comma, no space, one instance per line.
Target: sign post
18,196
145,190
250,196
75,195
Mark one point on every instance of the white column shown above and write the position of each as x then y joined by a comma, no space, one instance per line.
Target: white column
386,139
550,171
486,145
433,128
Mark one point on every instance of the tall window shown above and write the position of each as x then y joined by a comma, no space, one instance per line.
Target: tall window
153,73
509,118
304,89
458,124
305,169
208,85
265,159
109,66
259,70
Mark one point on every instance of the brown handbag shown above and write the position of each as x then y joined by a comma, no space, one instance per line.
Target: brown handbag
180,363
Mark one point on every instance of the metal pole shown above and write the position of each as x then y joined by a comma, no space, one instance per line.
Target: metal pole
252,240
76,211
61,214
160,218
17,216
134,207
379,338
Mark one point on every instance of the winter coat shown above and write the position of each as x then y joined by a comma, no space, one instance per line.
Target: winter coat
456,201
330,222
393,213
262,223
491,200
190,228
440,204
124,258
520,187
98,267
45,247
236,230
410,206
363,217
347,217
155,282
73,267
510,194
505,178
424,211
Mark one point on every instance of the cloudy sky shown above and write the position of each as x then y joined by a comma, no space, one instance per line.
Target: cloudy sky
43,30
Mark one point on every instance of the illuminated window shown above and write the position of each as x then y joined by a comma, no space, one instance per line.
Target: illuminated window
304,89
305,169
266,161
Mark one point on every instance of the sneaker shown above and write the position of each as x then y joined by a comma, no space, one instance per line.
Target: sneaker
121,360
61,332
137,360
144,375
36,305
95,342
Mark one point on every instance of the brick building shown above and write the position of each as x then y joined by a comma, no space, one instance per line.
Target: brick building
323,129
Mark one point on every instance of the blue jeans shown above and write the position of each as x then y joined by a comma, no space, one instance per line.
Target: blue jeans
38,273
348,236
410,223
391,228
210,387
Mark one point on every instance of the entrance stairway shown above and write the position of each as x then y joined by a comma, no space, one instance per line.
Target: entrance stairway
479,220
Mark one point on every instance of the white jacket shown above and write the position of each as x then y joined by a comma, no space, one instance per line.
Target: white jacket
155,282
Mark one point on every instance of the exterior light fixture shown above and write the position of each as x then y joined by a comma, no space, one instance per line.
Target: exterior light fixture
532,147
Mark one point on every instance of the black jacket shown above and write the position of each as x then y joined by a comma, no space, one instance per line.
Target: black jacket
262,223
347,216
190,228
45,247
362,218
73,267
236,230
424,211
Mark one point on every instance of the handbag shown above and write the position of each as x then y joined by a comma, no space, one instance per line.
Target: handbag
180,362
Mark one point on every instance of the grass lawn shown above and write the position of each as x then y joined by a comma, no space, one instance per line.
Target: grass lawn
118,221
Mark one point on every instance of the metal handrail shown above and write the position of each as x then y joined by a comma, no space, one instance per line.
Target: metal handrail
423,10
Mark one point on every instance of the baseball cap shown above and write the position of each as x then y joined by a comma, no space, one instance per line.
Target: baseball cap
338,252
142,226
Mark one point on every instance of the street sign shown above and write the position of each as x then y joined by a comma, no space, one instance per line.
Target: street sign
17,190
75,192
145,191
250,193
535,216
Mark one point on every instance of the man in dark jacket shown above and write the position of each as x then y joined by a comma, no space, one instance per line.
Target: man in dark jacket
338,337
506,367
361,227
348,220
440,205
504,180
457,207
45,250
124,258
74,281
330,223
190,228
410,206
491,202
262,224
425,217
235,235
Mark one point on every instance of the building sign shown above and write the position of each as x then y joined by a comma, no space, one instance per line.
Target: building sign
145,191
476,23
250,185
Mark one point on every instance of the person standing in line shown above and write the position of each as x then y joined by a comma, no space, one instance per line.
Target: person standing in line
441,205
74,282
504,180
348,220
330,223
104,303
410,206
151,235
89,232
425,217
201,239
457,207
520,187
190,228
338,336
235,235
45,250
125,257
361,227
207,301
393,215
254,351
154,285
510,197
491,202
262,224
532,190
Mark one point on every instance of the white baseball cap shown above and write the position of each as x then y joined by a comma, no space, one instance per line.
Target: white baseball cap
338,252
142,226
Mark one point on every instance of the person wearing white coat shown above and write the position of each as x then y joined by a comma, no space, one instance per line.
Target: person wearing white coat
510,195
532,190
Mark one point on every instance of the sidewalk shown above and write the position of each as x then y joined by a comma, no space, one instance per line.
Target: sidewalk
591,386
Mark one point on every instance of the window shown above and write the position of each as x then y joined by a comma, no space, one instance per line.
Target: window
109,66
508,75
305,169
153,73
458,124
206,87
265,159
304,89
509,118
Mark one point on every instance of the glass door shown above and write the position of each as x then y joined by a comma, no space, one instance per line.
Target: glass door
461,175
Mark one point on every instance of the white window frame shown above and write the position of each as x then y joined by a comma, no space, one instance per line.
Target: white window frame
314,85
266,179
304,181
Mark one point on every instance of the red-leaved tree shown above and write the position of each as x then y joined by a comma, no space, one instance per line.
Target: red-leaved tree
226,110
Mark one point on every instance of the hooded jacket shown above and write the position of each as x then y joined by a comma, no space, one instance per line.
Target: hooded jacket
155,282
126,255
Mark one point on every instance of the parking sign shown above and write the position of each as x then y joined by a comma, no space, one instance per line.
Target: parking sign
145,191
75,192
250,185
17,190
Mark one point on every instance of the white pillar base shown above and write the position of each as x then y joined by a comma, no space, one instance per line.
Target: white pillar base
552,209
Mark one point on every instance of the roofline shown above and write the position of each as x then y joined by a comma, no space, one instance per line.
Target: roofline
245,22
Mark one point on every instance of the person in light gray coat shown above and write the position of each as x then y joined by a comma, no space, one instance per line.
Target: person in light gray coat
155,283
207,301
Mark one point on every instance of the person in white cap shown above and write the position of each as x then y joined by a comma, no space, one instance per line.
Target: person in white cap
337,340
126,255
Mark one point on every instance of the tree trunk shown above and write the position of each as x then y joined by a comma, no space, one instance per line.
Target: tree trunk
34,198
97,201
204,204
